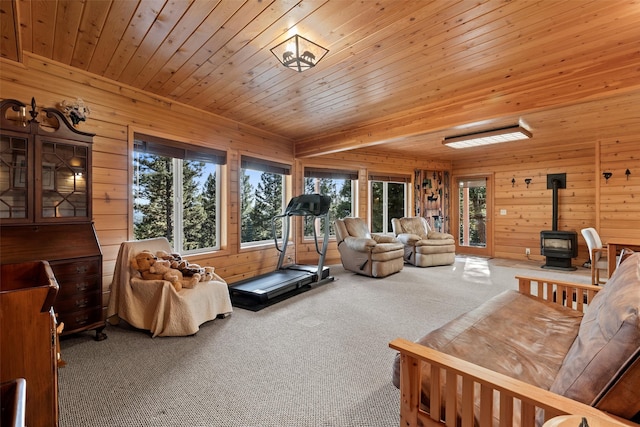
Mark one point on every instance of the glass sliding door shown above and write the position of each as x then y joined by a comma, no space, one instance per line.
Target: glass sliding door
473,233
388,200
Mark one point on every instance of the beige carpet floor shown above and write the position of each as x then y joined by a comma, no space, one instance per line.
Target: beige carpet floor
318,359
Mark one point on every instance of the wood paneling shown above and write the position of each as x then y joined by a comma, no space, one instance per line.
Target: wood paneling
400,76
115,113
397,72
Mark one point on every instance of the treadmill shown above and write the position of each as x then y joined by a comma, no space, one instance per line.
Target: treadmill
289,279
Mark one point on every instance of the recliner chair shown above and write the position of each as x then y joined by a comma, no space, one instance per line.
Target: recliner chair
366,253
422,246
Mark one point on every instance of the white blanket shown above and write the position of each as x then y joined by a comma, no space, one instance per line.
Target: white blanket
155,305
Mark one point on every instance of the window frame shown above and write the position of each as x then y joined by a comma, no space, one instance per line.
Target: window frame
386,179
263,166
328,173
179,152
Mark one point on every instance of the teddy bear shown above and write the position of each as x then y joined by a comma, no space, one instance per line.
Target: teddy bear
207,274
190,281
191,269
186,268
142,262
172,275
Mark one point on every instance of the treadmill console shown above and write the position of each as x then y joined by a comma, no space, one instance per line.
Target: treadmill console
308,205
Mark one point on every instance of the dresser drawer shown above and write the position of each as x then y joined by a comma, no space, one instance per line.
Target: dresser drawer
82,267
82,319
78,302
77,285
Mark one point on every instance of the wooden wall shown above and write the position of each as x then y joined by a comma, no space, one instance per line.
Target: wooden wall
612,207
117,111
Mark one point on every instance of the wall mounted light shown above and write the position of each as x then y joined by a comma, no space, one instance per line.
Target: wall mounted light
299,53
527,181
627,172
606,176
494,136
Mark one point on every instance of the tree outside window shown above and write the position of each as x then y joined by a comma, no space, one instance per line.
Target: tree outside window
388,201
336,184
175,197
261,199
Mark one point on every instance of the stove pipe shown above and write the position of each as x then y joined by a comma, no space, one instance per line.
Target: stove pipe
554,182
554,220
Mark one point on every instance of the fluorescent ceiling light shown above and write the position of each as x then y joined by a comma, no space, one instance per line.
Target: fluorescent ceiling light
494,136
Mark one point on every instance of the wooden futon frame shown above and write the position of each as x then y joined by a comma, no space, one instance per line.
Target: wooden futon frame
447,396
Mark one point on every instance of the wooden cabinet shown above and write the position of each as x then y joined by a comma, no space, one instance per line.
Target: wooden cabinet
45,208
432,200
76,260
45,167
28,337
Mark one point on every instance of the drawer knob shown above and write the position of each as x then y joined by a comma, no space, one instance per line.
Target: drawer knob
82,302
81,320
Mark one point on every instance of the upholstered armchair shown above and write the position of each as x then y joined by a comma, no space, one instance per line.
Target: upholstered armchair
362,252
155,305
424,247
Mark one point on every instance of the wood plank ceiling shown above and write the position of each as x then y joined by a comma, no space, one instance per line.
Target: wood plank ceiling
399,76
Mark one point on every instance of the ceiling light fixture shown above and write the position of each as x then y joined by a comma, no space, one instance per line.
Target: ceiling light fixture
299,53
494,136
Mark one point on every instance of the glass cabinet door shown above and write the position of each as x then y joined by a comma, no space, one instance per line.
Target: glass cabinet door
61,178
14,178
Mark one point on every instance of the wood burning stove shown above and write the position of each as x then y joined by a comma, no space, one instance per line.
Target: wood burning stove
559,247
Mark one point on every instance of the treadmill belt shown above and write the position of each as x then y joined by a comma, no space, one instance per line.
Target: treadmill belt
259,292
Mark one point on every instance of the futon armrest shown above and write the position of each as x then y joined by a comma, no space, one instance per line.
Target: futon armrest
514,395
576,296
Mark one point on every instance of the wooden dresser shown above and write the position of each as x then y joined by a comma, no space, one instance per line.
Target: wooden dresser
76,260
28,340
45,207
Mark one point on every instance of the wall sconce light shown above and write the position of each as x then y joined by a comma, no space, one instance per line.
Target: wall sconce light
627,172
606,176
299,53
494,136
513,181
527,181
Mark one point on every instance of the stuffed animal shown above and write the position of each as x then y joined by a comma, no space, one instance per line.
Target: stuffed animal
186,268
175,261
174,258
190,281
142,262
207,275
163,266
190,269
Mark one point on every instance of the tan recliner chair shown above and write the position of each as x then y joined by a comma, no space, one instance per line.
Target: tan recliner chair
422,246
362,252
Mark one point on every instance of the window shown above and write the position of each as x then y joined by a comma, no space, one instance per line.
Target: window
388,200
339,185
262,185
176,193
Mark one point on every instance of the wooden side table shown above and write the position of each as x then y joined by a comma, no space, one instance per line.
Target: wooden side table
613,246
